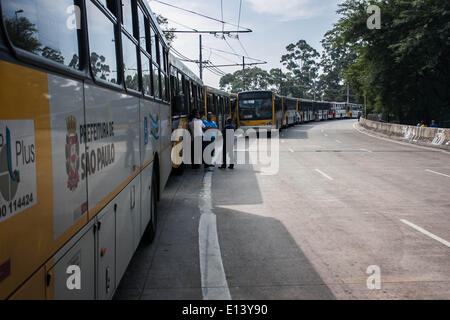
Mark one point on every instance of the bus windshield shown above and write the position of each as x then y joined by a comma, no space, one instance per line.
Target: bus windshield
255,109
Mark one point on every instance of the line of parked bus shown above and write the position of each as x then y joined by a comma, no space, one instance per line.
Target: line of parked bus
252,109
267,110
85,139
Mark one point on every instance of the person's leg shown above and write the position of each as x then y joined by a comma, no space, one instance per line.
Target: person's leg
213,154
196,160
224,157
231,156
205,145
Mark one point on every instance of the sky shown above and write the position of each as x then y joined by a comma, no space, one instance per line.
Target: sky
275,24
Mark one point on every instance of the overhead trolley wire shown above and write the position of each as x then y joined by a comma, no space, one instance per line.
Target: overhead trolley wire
202,15
231,53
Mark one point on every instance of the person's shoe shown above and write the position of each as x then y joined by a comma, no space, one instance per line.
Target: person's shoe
231,167
223,167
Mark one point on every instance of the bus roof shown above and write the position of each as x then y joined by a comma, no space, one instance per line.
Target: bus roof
216,91
262,94
183,68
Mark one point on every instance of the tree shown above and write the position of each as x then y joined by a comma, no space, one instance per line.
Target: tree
301,60
22,34
53,54
99,67
168,32
335,59
403,69
248,79
75,62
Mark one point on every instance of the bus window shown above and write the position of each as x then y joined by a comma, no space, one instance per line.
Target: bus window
130,63
146,74
153,40
102,44
194,93
161,56
278,105
127,15
180,84
222,106
209,102
110,5
156,82
40,27
163,86
142,36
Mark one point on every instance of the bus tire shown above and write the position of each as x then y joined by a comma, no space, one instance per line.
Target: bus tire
150,233
178,171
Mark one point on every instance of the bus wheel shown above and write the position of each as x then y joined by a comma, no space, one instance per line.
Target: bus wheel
152,226
178,171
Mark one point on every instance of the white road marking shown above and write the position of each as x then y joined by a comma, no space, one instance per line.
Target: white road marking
366,150
214,282
325,175
399,142
425,232
338,141
325,135
441,174
291,150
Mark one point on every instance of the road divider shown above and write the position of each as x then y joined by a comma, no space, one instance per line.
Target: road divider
432,137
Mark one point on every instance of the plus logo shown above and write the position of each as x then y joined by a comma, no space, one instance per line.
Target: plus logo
18,157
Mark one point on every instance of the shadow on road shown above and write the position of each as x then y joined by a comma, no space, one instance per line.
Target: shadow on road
260,257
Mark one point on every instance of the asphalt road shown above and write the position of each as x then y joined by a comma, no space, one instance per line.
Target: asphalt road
342,204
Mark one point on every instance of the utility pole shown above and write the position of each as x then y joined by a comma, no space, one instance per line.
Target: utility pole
365,107
201,58
348,93
314,81
243,71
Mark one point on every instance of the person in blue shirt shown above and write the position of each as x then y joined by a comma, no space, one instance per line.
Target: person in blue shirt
229,129
433,124
209,128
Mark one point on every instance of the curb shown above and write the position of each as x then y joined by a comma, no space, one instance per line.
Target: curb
407,138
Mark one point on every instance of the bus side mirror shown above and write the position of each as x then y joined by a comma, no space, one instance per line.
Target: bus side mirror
178,105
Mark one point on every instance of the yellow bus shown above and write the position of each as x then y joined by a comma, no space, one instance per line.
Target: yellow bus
306,109
85,143
353,110
232,114
217,102
260,110
290,111
186,95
